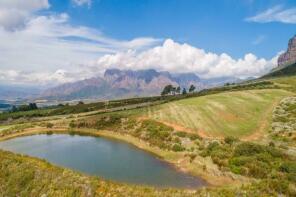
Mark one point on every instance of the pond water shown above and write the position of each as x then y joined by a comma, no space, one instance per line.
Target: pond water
111,159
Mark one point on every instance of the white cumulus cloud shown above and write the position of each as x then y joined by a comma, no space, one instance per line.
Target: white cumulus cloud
275,14
175,57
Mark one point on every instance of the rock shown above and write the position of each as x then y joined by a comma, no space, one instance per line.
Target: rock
289,57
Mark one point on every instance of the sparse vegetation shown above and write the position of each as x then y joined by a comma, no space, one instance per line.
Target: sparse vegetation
258,161
155,133
49,125
284,121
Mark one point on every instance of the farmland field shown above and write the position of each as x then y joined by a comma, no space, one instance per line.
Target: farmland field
233,113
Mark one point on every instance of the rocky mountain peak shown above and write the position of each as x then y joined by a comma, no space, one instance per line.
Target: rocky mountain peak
146,75
289,57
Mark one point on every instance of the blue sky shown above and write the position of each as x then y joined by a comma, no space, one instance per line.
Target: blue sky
217,26
58,41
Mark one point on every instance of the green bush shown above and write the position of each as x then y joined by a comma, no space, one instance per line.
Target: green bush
248,149
194,136
49,132
72,124
230,140
181,134
289,167
49,125
177,148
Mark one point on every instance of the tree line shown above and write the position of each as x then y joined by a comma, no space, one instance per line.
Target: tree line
29,107
172,90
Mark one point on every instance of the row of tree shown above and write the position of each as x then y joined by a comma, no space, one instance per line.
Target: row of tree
171,90
29,107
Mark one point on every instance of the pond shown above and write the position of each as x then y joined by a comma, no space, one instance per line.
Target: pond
107,158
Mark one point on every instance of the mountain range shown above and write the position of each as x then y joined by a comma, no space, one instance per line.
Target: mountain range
116,83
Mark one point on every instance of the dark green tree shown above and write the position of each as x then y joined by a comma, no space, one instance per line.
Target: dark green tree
173,90
178,90
32,106
14,108
166,90
191,88
184,91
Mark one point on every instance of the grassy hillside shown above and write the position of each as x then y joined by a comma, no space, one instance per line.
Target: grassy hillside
288,83
289,70
232,113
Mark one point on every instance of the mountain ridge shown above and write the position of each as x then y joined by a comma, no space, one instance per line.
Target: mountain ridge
116,83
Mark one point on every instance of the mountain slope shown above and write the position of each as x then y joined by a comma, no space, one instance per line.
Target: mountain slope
122,83
289,70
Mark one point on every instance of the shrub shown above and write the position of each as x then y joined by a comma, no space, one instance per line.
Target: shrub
72,124
49,132
194,136
271,144
177,148
49,125
248,149
288,167
230,140
181,134
192,157
240,161
258,169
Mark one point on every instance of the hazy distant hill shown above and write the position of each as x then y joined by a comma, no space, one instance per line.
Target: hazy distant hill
13,92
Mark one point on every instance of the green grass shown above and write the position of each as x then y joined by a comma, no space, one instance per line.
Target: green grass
289,70
225,114
288,83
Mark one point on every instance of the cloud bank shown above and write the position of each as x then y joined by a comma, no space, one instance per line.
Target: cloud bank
175,57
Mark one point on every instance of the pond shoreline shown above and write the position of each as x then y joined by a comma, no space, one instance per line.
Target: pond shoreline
165,156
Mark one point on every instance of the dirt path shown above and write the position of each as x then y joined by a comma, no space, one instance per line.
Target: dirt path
263,124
